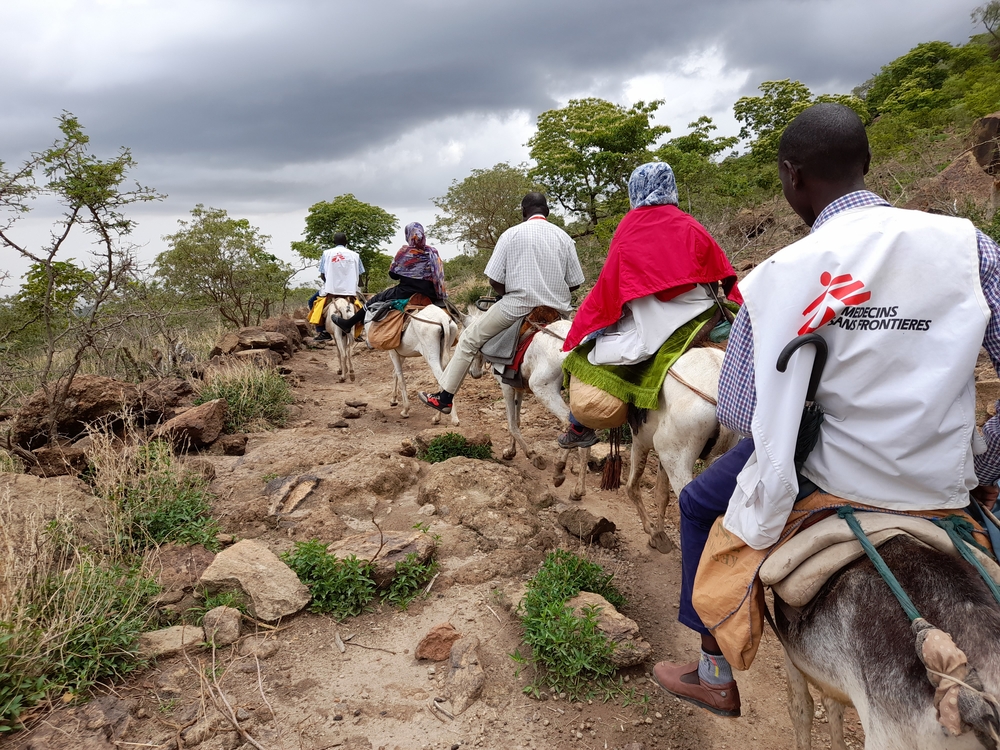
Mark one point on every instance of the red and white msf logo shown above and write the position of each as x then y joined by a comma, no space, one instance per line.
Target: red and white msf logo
839,292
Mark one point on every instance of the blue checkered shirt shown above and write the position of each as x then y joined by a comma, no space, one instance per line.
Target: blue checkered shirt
738,392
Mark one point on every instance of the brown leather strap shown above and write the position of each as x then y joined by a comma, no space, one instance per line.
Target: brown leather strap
700,392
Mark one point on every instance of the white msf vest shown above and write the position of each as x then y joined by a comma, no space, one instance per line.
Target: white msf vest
342,268
897,297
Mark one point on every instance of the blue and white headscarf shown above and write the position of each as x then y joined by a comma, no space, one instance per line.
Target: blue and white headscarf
652,184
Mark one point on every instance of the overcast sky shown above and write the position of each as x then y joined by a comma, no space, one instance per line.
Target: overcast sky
263,107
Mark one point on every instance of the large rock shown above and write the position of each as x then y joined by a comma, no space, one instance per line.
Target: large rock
161,398
585,525
271,587
90,398
169,640
286,327
985,137
963,181
197,427
465,675
29,505
630,649
260,357
436,645
279,342
59,461
228,344
222,625
355,487
391,548
500,503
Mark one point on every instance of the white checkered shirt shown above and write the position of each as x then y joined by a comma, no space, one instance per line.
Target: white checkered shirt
537,263
738,392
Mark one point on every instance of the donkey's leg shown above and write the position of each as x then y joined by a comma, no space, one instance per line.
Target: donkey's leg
661,495
512,405
349,353
397,364
641,445
560,474
583,455
800,706
835,720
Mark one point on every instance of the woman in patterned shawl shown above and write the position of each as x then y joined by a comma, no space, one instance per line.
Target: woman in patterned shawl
418,269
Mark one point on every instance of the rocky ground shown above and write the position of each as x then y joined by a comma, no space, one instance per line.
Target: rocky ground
293,687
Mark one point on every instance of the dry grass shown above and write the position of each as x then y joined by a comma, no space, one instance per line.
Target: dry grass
257,397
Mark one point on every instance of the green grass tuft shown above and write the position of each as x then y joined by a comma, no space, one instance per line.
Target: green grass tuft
452,444
569,653
411,576
342,588
257,398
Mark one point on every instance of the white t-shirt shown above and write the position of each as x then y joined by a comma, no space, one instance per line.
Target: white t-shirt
342,266
537,263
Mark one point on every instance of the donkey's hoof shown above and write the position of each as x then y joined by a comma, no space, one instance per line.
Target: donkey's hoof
557,481
404,414
538,461
576,496
508,455
352,377
661,543
393,403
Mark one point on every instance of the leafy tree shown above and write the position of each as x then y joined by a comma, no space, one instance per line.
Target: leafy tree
367,227
585,152
481,207
909,81
988,15
764,117
92,198
220,262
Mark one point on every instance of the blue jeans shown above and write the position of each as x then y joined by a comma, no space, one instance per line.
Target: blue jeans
702,502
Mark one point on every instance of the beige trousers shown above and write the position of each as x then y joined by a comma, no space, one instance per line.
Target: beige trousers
471,341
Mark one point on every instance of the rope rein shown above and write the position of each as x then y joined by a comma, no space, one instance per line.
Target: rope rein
682,381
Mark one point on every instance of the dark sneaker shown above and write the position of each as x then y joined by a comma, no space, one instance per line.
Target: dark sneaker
578,438
323,336
434,401
682,681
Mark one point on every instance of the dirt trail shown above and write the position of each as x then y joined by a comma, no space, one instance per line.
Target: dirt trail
307,695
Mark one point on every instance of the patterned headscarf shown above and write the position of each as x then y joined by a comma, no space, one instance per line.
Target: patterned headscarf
418,260
652,184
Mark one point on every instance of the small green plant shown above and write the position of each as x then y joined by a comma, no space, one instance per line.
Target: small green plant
9,464
411,576
158,502
256,397
568,651
341,587
453,444
234,599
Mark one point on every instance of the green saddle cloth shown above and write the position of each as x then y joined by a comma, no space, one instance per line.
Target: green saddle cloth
637,384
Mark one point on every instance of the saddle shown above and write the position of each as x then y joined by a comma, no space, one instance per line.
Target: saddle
389,321
506,350
729,585
798,569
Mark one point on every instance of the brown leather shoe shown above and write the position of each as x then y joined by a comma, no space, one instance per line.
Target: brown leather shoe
682,680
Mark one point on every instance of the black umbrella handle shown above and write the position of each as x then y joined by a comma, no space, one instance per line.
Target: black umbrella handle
818,363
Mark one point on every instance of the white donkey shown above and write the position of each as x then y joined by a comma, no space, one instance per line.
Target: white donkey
342,308
542,371
431,333
680,430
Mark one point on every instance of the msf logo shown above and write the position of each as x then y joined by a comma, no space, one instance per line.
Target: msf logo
839,292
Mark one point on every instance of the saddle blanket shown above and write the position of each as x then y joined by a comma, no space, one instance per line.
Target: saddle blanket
728,587
638,384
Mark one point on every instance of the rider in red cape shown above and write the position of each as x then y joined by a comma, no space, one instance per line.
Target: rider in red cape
655,249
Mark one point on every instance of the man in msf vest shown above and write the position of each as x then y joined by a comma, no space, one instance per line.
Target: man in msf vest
533,264
340,268
904,300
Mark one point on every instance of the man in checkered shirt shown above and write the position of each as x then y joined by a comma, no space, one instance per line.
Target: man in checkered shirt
534,264
823,158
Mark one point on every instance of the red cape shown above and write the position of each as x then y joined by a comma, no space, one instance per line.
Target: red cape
655,248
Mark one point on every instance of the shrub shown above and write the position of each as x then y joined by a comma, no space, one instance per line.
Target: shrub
256,397
411,576
568,651
453,444
156,501
341,587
